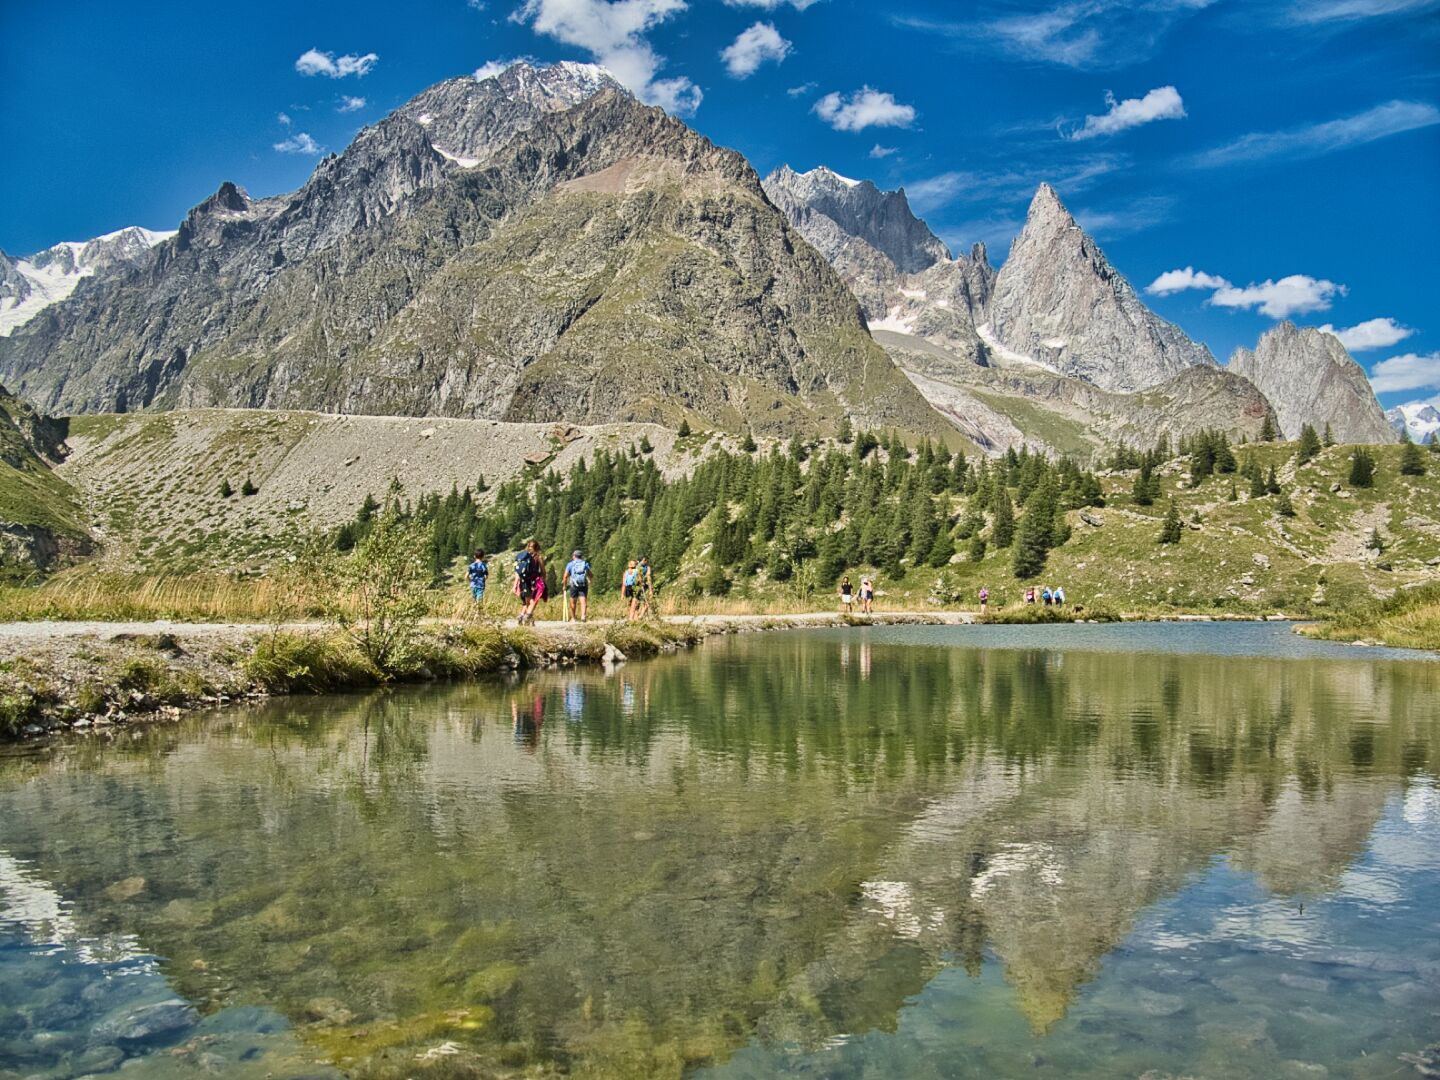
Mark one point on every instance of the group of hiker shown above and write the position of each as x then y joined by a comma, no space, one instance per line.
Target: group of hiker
528,585
1050,596
847,595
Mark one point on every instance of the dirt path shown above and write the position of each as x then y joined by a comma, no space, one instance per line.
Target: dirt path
15,637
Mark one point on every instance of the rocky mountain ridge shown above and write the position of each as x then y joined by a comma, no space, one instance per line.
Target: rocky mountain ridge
1309,378
547,260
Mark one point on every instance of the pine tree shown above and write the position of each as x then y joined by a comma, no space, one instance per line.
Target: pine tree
846,431
1411,463
1002,528
1329,436
1283,506
942,550
683,431
1146,486
1037,531
977,547
645,446
1375,543
1309,445
1170,528
1233,494
747,444
248,487
1362,468
225,489
1257,479
1267,429
1272,482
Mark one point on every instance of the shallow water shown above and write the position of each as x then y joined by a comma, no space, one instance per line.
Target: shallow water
1198,849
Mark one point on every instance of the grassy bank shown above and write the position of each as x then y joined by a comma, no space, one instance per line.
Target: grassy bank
1408,620
84,683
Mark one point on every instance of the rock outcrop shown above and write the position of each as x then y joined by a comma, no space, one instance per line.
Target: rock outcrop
548,250
41,521
1309,377
1059,303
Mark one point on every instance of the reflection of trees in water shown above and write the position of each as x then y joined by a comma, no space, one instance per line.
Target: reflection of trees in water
758,837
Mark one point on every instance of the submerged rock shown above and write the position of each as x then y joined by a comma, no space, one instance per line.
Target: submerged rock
149,1022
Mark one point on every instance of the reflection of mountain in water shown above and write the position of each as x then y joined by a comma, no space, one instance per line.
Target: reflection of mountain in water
773,837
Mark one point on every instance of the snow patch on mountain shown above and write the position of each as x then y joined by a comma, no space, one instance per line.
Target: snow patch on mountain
51,275
1419,418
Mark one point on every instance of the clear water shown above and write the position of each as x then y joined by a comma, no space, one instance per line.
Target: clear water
1201,850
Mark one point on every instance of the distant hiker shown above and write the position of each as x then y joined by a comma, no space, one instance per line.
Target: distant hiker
1030,595
479,573
1059,595
846,595
577,585
644,586
867,595
628,591
529,580
984,600
1045,596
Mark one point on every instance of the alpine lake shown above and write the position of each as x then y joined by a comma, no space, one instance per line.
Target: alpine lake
1202,850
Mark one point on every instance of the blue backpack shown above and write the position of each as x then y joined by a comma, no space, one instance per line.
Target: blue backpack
525,564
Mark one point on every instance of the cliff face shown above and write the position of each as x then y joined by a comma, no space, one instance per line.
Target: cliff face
1309,377
1059,302
551,250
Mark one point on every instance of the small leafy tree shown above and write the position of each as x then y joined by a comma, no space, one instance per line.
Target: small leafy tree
1362,468
1309,445
1411,463
389,574
1170,528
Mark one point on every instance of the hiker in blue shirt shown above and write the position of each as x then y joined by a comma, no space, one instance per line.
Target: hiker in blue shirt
479,574
576,583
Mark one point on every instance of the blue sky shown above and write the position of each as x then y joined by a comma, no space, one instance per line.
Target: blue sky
1286,154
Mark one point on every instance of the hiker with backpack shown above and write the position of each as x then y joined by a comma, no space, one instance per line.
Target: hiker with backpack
984,601
479,574
529,580
576,585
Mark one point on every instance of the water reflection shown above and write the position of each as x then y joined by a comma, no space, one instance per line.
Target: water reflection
790,853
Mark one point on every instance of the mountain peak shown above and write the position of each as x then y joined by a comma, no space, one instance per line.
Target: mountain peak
830,210
1060,303
1309,377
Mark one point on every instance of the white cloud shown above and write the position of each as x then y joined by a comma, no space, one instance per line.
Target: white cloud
802,90
350,104
1292,295
1082,34
1137,214
1312,140
771,5
284,119
613,32
299,143
491,68
1007,185
1410,371
315,62
1162,103
1174,281
752,48
1370,334
864,108
1315,11
877,151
